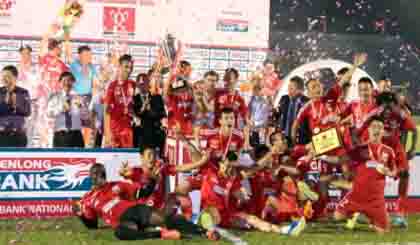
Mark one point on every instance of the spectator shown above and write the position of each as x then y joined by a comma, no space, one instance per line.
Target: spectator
96,109
270,83
64,107
15,105
118,131
51,67
290,106
259,111
149,110
30,80
85,85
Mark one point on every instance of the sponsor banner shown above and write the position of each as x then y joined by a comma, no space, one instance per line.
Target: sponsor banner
239,55
194,53
240,65
225,25
119,21
219,64
35,209
258,56
219,54
138,50
199,65
43,184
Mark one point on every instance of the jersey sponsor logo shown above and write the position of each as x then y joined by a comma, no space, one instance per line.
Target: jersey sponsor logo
224,25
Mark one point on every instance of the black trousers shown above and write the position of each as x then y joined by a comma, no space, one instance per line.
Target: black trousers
13,139
73,138
149,136
142,217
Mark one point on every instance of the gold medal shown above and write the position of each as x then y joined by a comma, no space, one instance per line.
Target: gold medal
317,130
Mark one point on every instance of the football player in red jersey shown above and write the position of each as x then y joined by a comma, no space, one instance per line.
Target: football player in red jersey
116,204
219,142
223,196
119,107
142,175
180,101
397,120
230,98
322,111
374,161
357,110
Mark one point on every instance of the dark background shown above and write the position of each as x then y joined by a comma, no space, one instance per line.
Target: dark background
306,30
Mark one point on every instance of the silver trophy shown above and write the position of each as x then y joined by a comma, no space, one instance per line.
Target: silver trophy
169,51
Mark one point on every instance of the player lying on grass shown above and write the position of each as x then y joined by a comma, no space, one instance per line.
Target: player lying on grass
116,203
142,175
374,161
223,197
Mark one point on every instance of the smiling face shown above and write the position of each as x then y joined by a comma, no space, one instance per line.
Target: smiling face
9,80
227,120
315,89
97,175
376,131
365,91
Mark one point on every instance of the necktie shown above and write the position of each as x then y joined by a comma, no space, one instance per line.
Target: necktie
67,114
290,116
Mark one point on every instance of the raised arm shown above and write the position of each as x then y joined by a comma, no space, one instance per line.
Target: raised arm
191,166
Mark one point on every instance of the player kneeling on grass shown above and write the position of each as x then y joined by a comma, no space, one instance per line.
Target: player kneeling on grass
222,197
116,203
374,161
150,166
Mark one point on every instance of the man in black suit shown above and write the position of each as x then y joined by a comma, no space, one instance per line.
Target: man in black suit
289,107
148,112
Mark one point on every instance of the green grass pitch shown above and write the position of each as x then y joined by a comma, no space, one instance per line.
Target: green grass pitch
71,232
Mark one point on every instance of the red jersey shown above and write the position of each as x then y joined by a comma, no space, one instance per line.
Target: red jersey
51,68
226,99
119,101
369,184
180,110
108,202
322,113
271,84
313,169
359,112
142,178
394,125
219,145
216,191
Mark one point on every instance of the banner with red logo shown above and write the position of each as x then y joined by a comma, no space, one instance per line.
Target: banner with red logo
119,21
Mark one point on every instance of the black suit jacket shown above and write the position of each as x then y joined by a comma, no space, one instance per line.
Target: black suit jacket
304,134
150,118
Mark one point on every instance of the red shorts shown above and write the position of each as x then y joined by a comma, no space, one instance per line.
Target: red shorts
375,211
287,208
401,158
195,181
122,138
